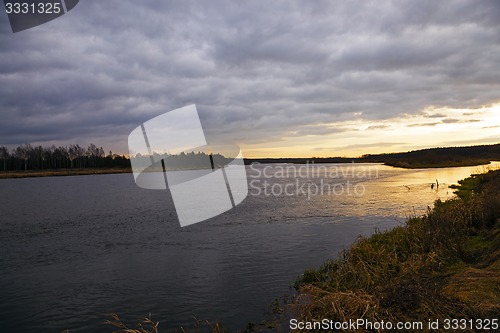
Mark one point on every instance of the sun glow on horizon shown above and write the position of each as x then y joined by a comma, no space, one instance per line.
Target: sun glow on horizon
432,127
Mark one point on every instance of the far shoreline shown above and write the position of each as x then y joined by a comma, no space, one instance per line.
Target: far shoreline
61,172
404,165
441,157
108,171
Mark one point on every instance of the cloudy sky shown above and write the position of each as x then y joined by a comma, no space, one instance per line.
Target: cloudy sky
279,78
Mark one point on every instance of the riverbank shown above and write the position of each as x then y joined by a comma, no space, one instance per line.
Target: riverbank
436,164
397,163
61,172
444,265
102,171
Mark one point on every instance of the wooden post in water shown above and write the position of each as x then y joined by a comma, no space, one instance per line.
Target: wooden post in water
212,161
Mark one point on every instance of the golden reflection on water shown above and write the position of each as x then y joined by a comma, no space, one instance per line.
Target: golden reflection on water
407,192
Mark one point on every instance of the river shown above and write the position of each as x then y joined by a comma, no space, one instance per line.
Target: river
75,248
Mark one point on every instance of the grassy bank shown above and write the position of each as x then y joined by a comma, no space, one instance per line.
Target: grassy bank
409,164
61,172
445,264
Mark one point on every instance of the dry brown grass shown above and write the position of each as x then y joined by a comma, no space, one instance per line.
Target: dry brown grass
148,325
478,287
342,305
445,264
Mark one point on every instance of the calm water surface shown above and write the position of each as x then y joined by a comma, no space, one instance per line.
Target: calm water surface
74,248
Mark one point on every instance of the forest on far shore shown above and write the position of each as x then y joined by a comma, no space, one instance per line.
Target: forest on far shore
423,158
26,157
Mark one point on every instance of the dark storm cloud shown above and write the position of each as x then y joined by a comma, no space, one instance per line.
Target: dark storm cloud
450,121
444,121
377,127
258,71
454,120
424,124
363,145
438,115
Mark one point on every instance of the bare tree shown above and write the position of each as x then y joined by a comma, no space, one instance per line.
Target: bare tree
38,157
94,153
23,152
73,154
4,155
48,156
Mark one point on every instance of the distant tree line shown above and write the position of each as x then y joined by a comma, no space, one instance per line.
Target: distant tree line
439,157
27,157
183,160
423,158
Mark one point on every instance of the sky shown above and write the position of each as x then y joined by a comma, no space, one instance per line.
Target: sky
278,78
